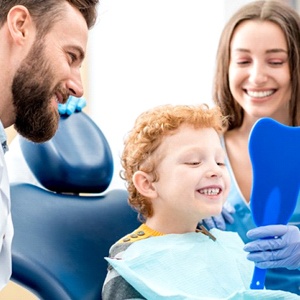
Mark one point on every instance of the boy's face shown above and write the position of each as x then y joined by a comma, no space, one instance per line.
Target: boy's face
193,179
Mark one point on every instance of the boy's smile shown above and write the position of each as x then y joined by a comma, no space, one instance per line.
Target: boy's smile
193,179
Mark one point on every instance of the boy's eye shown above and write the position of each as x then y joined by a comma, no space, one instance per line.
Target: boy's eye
193,163
220,163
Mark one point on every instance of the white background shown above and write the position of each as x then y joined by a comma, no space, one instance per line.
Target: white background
144,53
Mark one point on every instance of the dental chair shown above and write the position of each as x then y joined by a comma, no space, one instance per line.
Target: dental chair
64,229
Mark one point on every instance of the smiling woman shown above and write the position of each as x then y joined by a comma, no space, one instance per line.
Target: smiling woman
256,77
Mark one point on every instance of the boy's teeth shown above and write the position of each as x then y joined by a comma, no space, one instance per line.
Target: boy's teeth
214,191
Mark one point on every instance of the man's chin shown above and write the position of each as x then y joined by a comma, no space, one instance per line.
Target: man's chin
37,137
39,134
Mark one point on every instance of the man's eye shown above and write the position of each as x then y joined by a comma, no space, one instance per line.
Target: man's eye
72,56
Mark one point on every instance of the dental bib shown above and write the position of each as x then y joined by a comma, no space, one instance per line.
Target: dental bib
191,266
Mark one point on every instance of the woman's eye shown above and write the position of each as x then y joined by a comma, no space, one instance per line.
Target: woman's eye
242,62
276,63
238,60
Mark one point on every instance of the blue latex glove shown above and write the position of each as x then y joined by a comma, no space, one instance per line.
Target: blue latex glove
275,246
220,220
73,104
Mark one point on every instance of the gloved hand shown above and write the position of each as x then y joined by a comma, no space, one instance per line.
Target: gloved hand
220,221
275,246
73,104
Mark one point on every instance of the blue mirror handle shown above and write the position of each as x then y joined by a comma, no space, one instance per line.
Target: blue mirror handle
258,279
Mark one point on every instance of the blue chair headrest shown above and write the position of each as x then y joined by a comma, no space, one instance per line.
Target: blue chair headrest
77,159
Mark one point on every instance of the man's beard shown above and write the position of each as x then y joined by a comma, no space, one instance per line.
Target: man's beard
36,117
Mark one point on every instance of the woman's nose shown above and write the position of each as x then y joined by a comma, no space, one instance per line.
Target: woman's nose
257,74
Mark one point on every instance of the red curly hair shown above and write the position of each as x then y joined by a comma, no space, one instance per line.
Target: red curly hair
146,136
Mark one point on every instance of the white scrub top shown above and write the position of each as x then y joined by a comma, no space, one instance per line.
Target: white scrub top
6,226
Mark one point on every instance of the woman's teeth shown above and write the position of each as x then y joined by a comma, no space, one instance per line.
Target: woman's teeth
262,94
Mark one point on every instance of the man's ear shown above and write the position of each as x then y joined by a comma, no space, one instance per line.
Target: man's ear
19,23
143,183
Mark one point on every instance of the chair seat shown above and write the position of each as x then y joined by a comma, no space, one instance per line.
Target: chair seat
61,240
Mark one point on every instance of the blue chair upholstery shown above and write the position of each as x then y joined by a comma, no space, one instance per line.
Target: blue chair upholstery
63,232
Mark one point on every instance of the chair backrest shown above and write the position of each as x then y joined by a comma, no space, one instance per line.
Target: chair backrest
63,232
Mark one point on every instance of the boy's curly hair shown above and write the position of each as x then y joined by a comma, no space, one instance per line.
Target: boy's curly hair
146,136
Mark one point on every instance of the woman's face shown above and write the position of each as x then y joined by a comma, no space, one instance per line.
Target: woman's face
259,73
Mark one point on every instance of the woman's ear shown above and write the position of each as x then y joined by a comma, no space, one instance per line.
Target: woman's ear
19,23
143,183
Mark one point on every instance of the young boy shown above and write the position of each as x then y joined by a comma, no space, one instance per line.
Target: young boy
174,168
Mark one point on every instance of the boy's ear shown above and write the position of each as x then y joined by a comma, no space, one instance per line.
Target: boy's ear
143,183
19,23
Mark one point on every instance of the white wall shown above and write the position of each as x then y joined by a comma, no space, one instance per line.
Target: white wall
144,53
